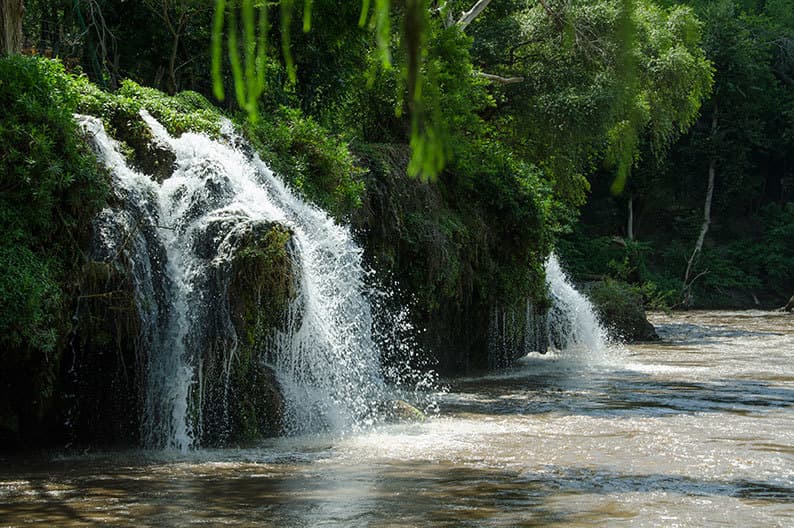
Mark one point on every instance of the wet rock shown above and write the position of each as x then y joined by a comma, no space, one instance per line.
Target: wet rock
251,285
103,382
399,411
147,155
516,332
621,310
446,258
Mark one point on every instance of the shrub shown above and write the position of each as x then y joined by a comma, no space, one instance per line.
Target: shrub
51,188
309,158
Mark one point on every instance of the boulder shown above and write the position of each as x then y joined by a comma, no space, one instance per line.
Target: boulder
621,310
400,411
145,154
790,305
252,284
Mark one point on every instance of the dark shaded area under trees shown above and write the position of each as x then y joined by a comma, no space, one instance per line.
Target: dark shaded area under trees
744,142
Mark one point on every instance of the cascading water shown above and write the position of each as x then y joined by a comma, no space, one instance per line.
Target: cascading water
325,359
572,324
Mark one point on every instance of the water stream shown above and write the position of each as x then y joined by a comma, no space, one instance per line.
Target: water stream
695,431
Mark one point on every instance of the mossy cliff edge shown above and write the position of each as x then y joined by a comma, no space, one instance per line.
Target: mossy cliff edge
73,330
466,253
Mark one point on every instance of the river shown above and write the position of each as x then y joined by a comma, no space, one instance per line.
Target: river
695,431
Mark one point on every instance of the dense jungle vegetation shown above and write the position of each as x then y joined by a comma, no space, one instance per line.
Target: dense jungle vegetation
462,140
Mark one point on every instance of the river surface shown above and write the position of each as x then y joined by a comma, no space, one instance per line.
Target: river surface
695,431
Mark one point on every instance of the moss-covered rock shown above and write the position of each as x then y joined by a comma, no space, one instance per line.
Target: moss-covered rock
400,411
120,111
102,382
455,265
620,308
253,275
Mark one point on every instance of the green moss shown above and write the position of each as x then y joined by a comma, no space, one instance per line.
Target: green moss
620,307
472,241
241,399
120,111
317,164
262,283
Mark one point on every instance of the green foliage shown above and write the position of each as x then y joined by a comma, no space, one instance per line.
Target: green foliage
316,163
50,188
478,236
183,112
620,307
31,300
778,255
745,129
752,266
599,76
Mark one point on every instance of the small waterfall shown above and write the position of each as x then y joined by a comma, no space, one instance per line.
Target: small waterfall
572,323
325,358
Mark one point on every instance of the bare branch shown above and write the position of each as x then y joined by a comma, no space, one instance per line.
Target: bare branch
499,79
467,17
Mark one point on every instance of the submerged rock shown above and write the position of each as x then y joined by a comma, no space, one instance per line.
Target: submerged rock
621,310
398,411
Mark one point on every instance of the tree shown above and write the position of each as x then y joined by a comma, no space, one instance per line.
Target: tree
176,15
735,128
11,13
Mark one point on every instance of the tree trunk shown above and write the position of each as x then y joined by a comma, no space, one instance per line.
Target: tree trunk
704,228
172,63
467,17
11,12
630,223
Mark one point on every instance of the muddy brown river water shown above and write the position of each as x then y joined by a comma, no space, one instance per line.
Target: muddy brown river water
695,431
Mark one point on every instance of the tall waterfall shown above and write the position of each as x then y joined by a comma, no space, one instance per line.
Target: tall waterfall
326,360
572,323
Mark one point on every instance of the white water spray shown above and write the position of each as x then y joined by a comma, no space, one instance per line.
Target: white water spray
572,324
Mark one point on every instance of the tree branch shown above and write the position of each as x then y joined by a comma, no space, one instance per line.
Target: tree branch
499,79
552,15
467,17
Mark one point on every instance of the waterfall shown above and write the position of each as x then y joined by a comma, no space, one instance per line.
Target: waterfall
572,324
325,358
